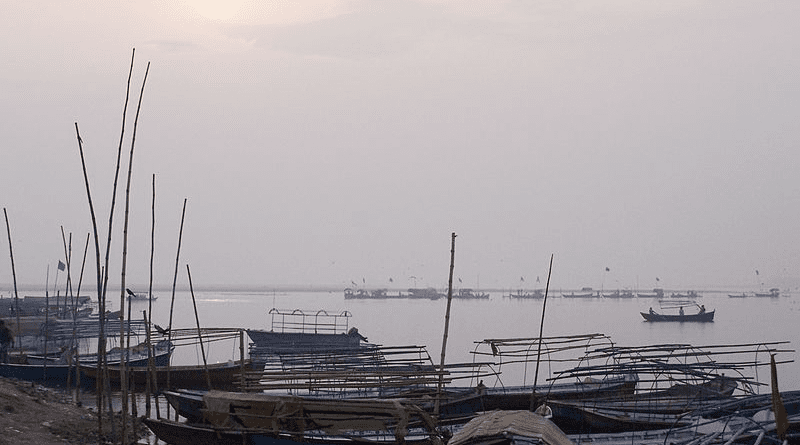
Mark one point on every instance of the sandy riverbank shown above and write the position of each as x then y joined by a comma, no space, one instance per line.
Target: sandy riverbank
33,414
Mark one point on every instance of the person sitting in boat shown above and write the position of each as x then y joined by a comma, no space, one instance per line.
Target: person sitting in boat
681,311
702,308
652,311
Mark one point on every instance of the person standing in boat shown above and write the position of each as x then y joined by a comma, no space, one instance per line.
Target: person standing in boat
6,337
681,311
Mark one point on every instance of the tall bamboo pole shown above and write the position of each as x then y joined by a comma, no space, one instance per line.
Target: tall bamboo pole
241,357
123,364
199,332
46,318
541,330
174,283
14,275
75,324
148,321
100,299
446,322
67,292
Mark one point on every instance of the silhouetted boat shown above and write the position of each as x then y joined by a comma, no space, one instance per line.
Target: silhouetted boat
701,316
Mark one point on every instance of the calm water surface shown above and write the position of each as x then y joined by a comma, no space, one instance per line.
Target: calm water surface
402,322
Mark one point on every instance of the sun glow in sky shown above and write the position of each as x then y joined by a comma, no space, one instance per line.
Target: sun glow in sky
216,9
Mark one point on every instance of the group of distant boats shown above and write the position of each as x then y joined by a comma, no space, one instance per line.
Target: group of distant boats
428,293
586,292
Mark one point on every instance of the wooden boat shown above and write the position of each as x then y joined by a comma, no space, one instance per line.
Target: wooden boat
520,397
470,294
698,317
279,342
297,331
135,356
678,314
773,293
61,369
56,375
578,295
270,419
620,294
178,433
657,293
577,418
222,375
536,294
187,403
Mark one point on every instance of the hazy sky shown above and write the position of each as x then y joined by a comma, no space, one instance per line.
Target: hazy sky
329,142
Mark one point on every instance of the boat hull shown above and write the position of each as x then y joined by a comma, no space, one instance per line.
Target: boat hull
222,376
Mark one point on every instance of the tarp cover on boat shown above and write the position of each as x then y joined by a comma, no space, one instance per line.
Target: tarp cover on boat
500,424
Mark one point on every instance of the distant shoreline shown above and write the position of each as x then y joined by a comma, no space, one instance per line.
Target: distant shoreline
7,290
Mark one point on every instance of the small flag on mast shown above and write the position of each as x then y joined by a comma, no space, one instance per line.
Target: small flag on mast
61,266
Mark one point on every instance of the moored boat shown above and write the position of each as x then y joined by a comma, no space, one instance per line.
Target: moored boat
773,293
657,293
520,293
271,419
586,292
470,294
225,376
578,418
620,294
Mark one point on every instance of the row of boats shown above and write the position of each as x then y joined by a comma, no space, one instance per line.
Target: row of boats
428,293
368,394
586,292
312,378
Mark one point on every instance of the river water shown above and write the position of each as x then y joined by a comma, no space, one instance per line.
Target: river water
404,322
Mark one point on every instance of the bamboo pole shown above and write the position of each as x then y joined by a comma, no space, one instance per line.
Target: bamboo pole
75,325
446,320
101,354
14,275
541,330
541,324
123,364
46,317
149,321
100,300
241,357
174,283
67,292
199,333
